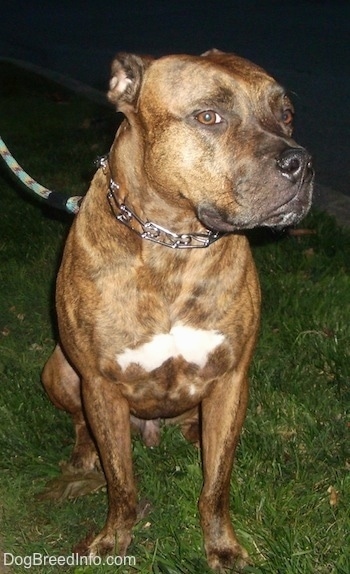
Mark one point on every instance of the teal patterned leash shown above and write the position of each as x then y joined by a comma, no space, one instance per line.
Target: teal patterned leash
55,199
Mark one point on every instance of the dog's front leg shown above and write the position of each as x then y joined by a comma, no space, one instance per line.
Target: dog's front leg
223,413
109,418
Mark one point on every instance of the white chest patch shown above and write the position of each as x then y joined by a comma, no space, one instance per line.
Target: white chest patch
194,345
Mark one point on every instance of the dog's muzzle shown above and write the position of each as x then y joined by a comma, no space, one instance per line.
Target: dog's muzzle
283,201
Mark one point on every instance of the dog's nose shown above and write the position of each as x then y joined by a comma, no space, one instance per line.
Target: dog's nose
295,163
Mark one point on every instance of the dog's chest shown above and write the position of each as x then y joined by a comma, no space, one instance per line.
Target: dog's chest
192,345
172,370
166,329
166,320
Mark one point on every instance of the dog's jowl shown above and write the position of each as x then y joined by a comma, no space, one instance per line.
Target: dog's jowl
157,295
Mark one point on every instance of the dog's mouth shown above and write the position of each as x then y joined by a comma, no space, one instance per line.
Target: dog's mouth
289,211
289,214
292,210
215,219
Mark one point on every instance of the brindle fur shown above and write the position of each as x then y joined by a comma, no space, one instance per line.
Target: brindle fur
116,291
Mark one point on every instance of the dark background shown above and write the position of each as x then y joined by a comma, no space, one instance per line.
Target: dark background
304,43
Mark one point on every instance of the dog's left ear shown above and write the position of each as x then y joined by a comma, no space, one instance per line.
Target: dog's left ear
126,78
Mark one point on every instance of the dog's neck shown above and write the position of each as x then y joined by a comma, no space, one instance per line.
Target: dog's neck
149,230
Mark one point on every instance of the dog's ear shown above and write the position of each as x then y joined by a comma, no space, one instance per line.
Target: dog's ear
211,52
126,77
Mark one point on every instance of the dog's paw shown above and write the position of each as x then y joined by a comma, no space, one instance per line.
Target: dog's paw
231,559
93,545
107,542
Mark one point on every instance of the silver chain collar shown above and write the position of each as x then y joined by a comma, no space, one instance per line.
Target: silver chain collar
151,231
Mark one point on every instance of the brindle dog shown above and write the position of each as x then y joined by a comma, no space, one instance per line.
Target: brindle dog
158,298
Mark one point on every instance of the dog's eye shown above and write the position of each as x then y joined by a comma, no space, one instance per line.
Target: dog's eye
287,116
208,118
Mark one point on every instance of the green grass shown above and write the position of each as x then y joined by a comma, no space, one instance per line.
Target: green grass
294,450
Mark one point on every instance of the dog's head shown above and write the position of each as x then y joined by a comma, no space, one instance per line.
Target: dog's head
215,130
